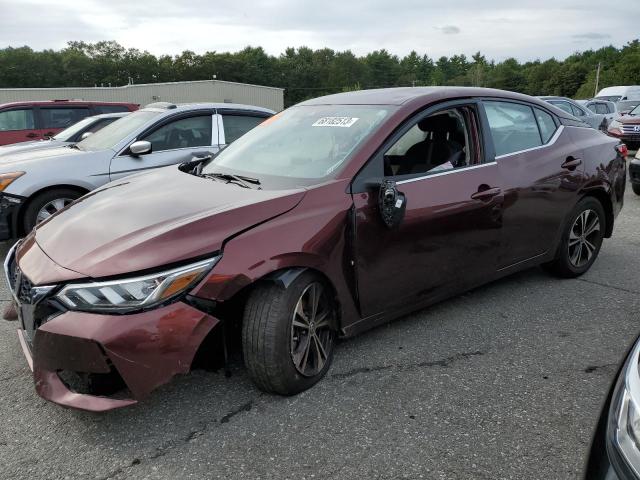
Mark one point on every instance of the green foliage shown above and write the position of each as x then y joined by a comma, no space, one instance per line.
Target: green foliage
305,72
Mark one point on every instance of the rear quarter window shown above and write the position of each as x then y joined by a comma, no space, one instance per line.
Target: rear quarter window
546,123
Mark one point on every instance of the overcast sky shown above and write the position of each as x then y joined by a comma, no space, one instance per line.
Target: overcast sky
499,28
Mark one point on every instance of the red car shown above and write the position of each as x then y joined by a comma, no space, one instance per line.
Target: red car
24,121
627,128
335,216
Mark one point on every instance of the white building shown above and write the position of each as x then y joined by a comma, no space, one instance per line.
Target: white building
174,92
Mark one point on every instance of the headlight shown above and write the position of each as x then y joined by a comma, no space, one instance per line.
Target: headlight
7,178
134,293
623,431
615,124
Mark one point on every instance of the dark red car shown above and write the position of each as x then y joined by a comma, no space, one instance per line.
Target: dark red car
335,216
24,121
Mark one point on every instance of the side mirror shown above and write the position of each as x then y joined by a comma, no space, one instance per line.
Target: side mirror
392,204
85,135
140,147
194,166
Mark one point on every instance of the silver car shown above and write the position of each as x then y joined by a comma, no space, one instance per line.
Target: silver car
36,184
595,120
73,134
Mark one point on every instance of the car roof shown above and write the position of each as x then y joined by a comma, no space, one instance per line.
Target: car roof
403,95
182,107
36,103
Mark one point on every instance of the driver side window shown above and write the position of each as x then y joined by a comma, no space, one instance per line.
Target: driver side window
182,133
434,144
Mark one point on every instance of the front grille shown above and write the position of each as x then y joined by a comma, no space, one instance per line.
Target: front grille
34,306
629,129
22,286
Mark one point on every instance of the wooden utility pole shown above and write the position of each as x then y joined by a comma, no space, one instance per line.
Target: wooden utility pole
597,80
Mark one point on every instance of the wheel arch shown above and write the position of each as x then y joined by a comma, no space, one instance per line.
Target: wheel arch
286,276
604,198
36,193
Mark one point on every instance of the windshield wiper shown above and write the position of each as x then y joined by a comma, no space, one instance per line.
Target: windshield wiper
239,179
73,145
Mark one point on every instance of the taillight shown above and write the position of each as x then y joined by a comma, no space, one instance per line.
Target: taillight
622,150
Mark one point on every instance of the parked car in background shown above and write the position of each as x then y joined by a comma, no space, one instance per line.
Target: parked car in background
627,128
634,173
615,447
595,120
624,107
335,216
36,184
73,134
616,94
603,107
24,121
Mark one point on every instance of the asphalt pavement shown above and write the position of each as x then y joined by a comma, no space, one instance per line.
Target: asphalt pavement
504,382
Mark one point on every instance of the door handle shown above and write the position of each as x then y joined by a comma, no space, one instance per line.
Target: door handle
485,194
571,163
32,135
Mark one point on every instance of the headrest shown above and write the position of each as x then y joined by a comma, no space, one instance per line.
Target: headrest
438,123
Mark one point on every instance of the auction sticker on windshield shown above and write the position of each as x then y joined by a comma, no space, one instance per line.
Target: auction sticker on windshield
344,122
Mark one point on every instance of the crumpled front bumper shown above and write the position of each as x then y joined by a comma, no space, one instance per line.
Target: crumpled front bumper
144,350
9,208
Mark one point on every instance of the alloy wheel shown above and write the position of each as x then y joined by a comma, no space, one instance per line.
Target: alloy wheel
52,207
311,334
583,238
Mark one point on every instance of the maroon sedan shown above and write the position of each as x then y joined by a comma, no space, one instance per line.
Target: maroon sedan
335,216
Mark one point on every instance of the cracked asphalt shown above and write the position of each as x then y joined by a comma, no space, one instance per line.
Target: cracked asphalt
504,382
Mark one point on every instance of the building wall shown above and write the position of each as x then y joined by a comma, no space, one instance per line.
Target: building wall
175,92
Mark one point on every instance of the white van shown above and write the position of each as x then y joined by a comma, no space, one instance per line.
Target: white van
615,94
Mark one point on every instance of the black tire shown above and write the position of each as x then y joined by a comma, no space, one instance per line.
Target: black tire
268,336
636,188
567,265
30,216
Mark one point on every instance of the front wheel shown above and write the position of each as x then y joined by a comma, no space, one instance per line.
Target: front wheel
288,334
581,240
46,204
636,188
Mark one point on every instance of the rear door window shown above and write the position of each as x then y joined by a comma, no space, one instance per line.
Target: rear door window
237,125
513,127
181,133
18,119
61,117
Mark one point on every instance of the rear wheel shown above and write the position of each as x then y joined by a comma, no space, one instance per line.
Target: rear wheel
288,334
581,239
46,204
636,188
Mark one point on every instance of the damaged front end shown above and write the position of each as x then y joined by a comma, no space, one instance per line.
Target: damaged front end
100,361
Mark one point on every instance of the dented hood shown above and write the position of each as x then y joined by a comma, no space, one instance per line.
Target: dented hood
154,219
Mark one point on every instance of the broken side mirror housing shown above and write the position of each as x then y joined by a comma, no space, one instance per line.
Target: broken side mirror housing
392,204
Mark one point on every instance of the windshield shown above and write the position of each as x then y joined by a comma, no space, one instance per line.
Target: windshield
635,111
68,133
117,131
304,142
611,98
